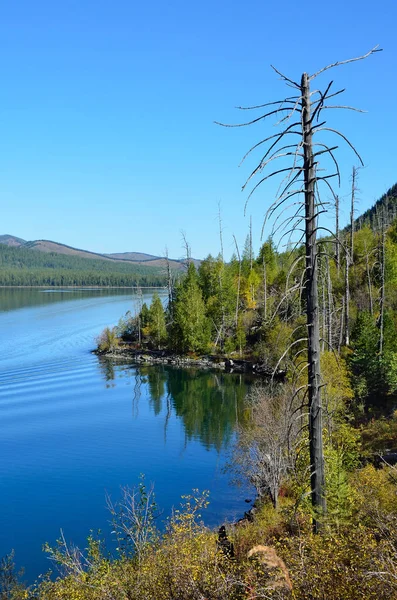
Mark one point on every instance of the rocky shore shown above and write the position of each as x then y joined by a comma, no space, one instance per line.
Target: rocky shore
213,362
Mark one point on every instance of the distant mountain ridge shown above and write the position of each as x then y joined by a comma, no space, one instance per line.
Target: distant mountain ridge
11,240
137,258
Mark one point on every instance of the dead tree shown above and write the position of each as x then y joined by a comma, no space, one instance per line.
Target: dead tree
369,282
354,191
264,452
329,304
381,320
347,296
188,251
222,328
251,251
350,256
238,281
170,278
337,241
300,118
264,287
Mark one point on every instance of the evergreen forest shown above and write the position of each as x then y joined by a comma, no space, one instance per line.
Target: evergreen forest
23,266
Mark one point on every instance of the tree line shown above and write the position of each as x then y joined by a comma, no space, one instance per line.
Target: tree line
253,307
22,266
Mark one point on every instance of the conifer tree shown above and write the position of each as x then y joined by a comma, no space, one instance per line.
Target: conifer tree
191,330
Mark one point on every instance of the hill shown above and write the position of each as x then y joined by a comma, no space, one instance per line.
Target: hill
11,240
371,216
21,265
136,258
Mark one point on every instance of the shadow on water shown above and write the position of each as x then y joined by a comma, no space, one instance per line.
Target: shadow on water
209,404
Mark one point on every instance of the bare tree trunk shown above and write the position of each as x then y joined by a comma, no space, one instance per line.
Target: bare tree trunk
371,302
382,289
349,258
221,286
317,477
140,306
347,297
324,313
220,228
337,252
341,328
251,251
353,199
169,279
264,288
187,249
238,280
329,305
382,299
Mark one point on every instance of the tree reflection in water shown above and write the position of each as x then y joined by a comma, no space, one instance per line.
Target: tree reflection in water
210,404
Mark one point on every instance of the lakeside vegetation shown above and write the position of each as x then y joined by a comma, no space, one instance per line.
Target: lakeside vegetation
253,308
246,308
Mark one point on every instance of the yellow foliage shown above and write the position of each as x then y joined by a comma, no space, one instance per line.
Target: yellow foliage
249,288
376,494
337,391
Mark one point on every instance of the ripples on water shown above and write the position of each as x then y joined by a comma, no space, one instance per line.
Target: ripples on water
74,427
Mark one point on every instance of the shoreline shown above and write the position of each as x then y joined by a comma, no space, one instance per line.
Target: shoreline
213,362
84,287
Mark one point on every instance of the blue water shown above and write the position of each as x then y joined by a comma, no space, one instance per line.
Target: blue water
75,427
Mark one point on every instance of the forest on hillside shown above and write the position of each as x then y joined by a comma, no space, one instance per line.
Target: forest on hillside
23,266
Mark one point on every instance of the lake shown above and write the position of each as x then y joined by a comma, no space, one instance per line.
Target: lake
75,427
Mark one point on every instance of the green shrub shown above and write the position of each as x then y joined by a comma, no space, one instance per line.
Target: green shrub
108,341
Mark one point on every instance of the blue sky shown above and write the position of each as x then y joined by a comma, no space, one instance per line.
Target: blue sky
107,113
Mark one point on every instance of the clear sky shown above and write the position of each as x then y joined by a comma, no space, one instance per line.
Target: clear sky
107,113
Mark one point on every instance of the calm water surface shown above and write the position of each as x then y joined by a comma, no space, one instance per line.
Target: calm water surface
75,427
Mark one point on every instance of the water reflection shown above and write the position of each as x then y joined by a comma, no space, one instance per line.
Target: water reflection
210,404
19,297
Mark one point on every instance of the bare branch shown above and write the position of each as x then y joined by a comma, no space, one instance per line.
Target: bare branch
320,103
262,165
290,100
284,354
344,62
280,200
360,110
269,114
346,140
329,150
294,84
264,178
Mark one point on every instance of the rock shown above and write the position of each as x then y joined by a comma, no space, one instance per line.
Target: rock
224,544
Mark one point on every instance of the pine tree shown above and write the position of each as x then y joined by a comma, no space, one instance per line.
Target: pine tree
191,330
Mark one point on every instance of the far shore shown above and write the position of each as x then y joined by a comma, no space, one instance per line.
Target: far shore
84,287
